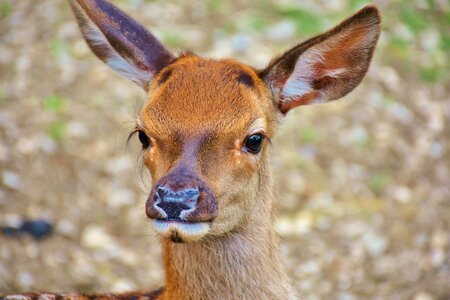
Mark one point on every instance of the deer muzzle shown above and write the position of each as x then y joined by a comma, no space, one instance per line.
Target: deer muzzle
181,196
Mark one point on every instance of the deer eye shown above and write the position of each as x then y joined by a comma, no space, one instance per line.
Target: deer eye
144,139
253,143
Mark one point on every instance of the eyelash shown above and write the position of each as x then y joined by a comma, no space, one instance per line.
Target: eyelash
132,133
149,143
143,138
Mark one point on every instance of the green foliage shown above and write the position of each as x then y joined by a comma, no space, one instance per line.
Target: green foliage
447,17
378,181
228,27
58,48
5,9
215,5
57,130
387,101
257,23
445,43
305,21
431,3
400,48
300,164
309,135
413,20
364,142
54,103
433,74
355,4
172,39
414,51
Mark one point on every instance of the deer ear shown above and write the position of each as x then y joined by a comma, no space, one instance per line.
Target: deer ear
119,41
326,67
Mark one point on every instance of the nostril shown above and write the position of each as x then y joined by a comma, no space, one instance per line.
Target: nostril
161,192
181,196
191,197
192,193
174,202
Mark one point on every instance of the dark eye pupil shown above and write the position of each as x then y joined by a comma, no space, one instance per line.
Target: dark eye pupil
253,143
143,138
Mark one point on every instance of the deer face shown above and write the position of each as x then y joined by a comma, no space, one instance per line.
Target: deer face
206,125
205,143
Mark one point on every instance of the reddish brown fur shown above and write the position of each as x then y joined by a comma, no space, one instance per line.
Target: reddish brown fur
198,117
178,110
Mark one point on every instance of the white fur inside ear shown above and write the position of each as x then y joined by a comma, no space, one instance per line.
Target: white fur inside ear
128,71
335,73
103,49
326,67
300,81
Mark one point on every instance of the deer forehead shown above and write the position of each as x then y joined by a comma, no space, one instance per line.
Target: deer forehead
194,96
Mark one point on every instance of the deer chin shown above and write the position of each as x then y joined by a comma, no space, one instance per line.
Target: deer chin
179,231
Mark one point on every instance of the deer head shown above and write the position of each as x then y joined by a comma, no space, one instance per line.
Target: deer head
207,124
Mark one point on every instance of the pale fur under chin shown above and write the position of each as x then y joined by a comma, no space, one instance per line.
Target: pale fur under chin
188,232
243,264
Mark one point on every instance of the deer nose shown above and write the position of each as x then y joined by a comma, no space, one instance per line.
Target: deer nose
173,203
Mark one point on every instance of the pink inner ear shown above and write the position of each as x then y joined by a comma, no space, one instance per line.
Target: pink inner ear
322,66
341,54
309,98
326,67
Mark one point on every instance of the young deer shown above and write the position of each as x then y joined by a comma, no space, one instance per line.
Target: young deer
205,131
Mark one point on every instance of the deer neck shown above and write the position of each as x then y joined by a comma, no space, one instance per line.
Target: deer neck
244,264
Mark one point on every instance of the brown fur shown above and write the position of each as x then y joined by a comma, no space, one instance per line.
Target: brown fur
74,296
198,116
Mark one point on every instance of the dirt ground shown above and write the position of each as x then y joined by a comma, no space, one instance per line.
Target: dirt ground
363,183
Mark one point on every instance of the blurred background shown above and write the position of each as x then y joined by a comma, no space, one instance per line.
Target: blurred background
363,183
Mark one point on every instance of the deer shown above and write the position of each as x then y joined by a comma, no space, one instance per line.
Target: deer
205,131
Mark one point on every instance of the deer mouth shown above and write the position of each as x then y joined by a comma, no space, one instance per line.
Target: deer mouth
180,231
181,206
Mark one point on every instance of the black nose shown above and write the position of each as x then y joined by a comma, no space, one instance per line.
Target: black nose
173,203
